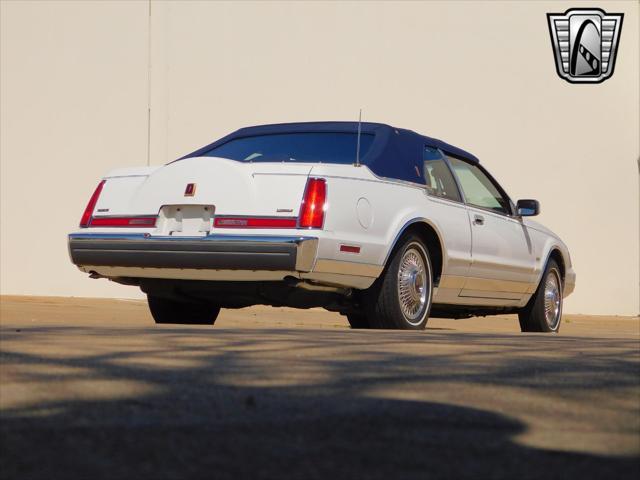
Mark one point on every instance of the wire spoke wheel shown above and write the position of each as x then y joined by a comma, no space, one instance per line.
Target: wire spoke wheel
543,312
552,299
413,285
401,297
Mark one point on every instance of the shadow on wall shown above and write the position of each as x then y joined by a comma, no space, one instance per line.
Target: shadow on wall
216,403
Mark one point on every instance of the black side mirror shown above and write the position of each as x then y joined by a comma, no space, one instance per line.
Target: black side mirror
528,208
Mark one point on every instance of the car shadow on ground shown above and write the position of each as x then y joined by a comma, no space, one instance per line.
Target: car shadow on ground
221,403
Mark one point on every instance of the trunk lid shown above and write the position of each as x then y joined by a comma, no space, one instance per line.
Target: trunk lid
230,187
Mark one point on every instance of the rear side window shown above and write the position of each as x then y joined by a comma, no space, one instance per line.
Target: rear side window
295,147
438,177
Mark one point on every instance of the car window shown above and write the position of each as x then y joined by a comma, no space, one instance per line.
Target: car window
478,189
295,147
437,176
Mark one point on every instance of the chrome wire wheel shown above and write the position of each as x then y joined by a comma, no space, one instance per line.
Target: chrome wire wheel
552,299
414,284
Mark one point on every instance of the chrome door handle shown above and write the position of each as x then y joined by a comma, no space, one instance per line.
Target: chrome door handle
478,220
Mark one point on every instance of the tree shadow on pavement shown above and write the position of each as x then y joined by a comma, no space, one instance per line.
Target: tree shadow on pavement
275,403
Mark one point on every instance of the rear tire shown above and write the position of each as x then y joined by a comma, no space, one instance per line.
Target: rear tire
544,310
167,311
357,320
401,298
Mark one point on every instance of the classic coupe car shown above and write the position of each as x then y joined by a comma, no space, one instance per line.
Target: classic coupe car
381,224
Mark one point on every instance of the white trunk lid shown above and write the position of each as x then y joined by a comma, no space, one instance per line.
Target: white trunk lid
231,187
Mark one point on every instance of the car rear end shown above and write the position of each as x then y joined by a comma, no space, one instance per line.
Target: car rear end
202,219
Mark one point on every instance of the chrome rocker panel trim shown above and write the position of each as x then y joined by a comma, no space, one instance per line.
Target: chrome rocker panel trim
214,252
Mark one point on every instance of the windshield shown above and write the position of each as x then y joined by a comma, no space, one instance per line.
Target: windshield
295,147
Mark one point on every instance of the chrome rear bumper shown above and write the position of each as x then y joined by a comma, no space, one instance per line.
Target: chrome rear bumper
212,252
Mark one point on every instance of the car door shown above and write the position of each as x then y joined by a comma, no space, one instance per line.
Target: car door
448,211
502,257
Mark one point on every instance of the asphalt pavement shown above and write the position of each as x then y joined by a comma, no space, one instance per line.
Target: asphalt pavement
93,389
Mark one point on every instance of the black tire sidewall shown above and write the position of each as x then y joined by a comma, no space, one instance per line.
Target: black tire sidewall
169,311
358,321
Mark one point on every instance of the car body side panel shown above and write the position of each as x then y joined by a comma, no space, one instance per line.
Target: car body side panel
392,207
546,242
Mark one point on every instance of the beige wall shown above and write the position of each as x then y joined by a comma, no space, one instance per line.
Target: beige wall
74,97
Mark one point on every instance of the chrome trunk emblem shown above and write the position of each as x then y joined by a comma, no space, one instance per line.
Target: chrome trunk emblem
190,190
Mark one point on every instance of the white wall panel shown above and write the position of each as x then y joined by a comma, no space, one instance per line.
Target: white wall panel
480,75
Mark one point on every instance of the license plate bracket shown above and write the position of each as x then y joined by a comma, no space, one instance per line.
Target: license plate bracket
185,220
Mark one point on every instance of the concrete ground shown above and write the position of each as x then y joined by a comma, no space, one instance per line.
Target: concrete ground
93,389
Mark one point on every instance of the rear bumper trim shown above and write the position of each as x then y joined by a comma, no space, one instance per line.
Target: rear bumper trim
214,252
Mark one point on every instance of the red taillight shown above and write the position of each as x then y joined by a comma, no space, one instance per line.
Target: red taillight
254,222
313,203
86,216
123,222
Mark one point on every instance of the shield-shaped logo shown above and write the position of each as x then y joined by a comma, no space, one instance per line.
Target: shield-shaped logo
585,43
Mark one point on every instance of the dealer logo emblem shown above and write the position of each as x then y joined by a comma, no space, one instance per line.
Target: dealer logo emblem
585,43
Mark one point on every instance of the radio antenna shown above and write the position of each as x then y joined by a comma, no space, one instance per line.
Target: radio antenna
358,144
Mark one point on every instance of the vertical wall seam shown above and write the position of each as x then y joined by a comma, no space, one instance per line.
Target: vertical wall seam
149,85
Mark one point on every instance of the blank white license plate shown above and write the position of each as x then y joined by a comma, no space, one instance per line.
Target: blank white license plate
185,220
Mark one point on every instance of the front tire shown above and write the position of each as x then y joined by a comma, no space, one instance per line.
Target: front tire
167,311
401,297
544,310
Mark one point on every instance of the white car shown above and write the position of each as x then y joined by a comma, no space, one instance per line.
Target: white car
381,224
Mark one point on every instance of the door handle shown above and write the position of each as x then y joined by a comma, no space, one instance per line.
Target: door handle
478,219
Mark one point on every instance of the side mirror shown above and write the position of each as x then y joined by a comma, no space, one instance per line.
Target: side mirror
528,208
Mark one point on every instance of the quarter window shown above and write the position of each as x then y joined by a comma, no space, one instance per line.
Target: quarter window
478,189
438,177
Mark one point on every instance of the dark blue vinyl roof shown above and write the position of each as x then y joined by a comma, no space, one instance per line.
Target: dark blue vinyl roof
395,152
